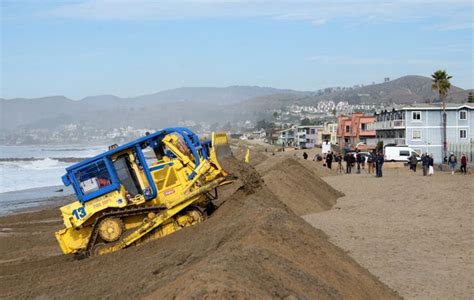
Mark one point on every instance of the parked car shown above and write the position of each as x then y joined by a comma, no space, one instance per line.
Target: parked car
399,153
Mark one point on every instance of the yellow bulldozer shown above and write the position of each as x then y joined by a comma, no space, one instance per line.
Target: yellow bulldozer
145,189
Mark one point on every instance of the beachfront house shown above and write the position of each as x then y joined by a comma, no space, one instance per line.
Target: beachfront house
299,136
355,130
307,136
420,127
327,133
287,137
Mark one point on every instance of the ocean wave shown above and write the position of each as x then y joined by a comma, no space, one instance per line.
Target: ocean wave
65,149
30,159
35,164
44,164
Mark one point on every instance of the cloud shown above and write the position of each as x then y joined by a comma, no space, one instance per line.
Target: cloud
316,12
319,22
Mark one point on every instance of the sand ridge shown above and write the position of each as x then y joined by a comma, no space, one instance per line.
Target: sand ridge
253,246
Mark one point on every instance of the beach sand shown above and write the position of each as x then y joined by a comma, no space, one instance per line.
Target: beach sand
253,246
415,233
411,233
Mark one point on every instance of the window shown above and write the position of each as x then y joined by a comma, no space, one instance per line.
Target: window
462,133
363,126
416,135
404,153
93,177
348,128
463,115
127,176
416,116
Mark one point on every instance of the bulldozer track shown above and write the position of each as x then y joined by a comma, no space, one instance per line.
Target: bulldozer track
116,213
89,251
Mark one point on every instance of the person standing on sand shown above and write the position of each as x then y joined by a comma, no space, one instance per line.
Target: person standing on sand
430,164
370,163
425,163
359,161
379,163
329,160
464,164
413,161
348,160
452,162
305,155
339,163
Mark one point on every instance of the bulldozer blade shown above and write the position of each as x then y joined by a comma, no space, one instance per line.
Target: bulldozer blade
221,150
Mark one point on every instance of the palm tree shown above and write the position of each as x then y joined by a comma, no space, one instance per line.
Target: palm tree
440,83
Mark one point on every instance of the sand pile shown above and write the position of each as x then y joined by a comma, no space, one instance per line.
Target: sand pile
257,153
253,246
296,183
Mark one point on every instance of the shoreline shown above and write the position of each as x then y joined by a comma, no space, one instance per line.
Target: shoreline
34,199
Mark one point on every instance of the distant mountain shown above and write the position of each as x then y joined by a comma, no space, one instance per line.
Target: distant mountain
211,95
234,103
105,110
407,89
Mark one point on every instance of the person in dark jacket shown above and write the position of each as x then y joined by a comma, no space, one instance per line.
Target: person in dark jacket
348,160
425,163
305,155
452,162
464,164
413,161
359,159
379,160
430,165
329,158
339,159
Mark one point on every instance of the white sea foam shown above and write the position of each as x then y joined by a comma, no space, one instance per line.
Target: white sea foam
39,169
43,164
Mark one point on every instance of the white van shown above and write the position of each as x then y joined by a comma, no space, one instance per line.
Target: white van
399,153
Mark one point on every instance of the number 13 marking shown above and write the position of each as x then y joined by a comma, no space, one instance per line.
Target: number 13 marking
79,213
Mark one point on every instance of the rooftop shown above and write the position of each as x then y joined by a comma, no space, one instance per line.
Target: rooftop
427,106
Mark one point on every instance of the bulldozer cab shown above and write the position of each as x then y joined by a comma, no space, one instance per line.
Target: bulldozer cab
138,166
102,175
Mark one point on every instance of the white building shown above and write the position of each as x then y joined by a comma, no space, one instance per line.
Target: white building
420,126
299,136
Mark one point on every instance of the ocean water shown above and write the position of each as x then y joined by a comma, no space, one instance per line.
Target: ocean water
27,167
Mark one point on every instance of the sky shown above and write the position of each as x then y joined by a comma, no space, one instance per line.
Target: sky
130,48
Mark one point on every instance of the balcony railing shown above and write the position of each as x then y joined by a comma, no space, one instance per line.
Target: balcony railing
384,125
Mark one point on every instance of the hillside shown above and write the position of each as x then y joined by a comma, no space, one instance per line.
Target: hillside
407,89
164,108
201,104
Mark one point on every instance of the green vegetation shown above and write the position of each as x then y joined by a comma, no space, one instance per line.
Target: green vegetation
262,124
470,98
379,146
308,122
440,83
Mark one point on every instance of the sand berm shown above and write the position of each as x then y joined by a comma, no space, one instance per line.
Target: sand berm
254,246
